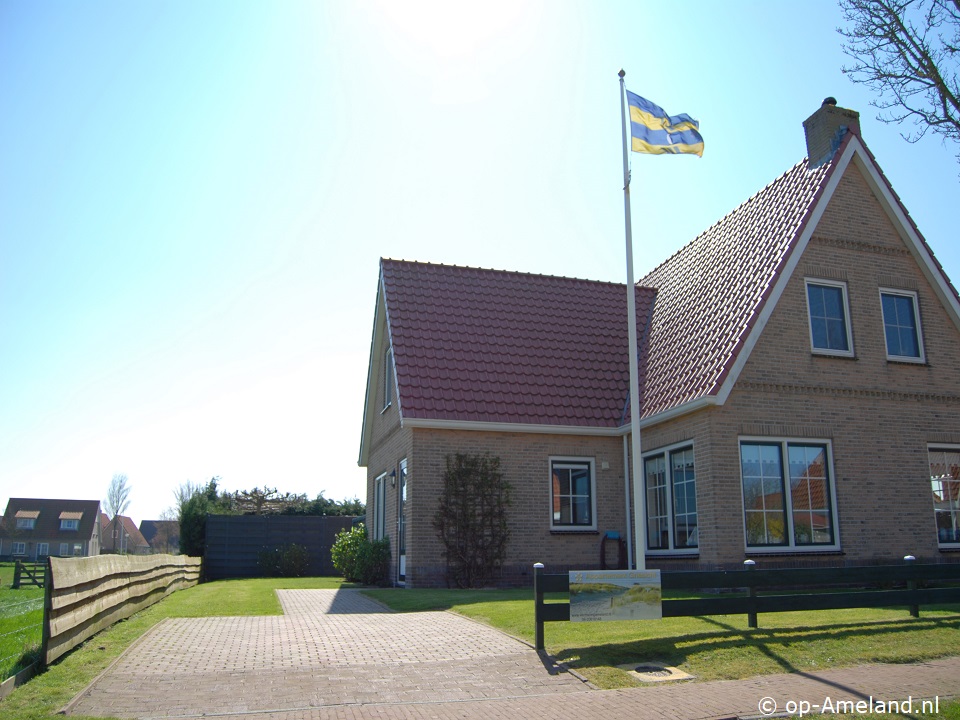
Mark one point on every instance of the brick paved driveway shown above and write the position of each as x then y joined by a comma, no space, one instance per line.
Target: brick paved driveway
330,648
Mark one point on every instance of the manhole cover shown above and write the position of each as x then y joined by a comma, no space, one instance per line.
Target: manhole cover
654,672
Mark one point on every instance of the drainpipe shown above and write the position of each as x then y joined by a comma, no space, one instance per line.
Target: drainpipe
626,506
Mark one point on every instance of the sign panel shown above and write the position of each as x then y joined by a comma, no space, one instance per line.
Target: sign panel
615,595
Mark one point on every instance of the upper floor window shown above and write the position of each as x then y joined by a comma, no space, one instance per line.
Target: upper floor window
26,523
787,494
69,524
901,325
945,484
829,318
388,378
671,500
572,496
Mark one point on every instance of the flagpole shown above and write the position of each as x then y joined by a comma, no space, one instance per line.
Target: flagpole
635,461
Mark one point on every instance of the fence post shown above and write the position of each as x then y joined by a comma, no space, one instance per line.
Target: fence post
17,571
752,595
47,610
538,605
912,585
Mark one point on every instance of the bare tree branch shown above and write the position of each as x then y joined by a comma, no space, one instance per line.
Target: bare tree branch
908,53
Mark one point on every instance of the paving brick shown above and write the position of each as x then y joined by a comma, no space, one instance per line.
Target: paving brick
336,655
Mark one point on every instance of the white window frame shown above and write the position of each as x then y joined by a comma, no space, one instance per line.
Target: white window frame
943,447
379,525
43,549
790,547
19,548
64,549
388,379
26,523
571,462
78,549
917,359
69,524
807,282
666,452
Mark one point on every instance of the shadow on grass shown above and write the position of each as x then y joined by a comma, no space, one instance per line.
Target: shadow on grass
773,643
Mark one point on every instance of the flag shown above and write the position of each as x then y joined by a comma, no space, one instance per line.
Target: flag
656,133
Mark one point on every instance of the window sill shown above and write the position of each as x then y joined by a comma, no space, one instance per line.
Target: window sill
793,552
573,531
949,548
907,361
831,355
672,554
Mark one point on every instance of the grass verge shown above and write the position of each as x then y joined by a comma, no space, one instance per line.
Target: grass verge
21,623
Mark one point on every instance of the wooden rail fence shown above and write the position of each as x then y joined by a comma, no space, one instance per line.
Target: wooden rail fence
28,574
86,595
911,576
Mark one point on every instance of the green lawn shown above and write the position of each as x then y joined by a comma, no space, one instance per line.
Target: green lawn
710,647
21,619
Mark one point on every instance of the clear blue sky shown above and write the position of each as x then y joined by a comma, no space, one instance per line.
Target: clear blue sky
194,198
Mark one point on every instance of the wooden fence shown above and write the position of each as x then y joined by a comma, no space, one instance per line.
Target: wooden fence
909,578
86,595
28,574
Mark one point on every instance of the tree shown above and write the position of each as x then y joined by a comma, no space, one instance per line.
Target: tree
193,515
471,520
117,502
908,52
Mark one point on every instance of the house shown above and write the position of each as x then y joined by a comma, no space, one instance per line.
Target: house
121,536
799,367
32,529
162,535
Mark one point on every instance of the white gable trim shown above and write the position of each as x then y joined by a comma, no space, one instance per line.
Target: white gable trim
378,345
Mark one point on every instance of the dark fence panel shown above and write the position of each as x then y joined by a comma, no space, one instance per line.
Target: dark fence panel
234,541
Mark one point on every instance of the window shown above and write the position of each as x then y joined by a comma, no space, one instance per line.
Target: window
572,495
78,549
829,318
791,510
378,530
388,379
19,548
26,523
671,500
901,325
64,549
69,524
945,484
43,549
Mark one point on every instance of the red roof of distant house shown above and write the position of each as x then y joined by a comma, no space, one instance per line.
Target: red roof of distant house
134,540
507,347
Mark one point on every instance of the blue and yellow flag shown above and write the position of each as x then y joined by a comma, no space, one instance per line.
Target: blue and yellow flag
656,133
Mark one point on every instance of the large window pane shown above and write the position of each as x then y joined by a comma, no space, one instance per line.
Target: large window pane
763,501
900,325
684,498
658,527
810,495
572,494
828,317
945,485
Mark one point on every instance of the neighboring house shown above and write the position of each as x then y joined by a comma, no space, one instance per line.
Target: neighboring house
32,529
799,384
162,535
121,536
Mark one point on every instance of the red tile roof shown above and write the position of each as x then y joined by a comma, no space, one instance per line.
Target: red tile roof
506,347
710,292
133,543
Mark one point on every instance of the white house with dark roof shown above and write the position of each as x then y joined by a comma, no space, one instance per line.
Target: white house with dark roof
799,384
35,528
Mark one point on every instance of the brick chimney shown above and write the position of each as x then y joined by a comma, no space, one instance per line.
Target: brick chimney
825,129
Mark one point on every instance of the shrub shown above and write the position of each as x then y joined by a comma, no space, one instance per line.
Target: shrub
471,520
285,561
361,560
